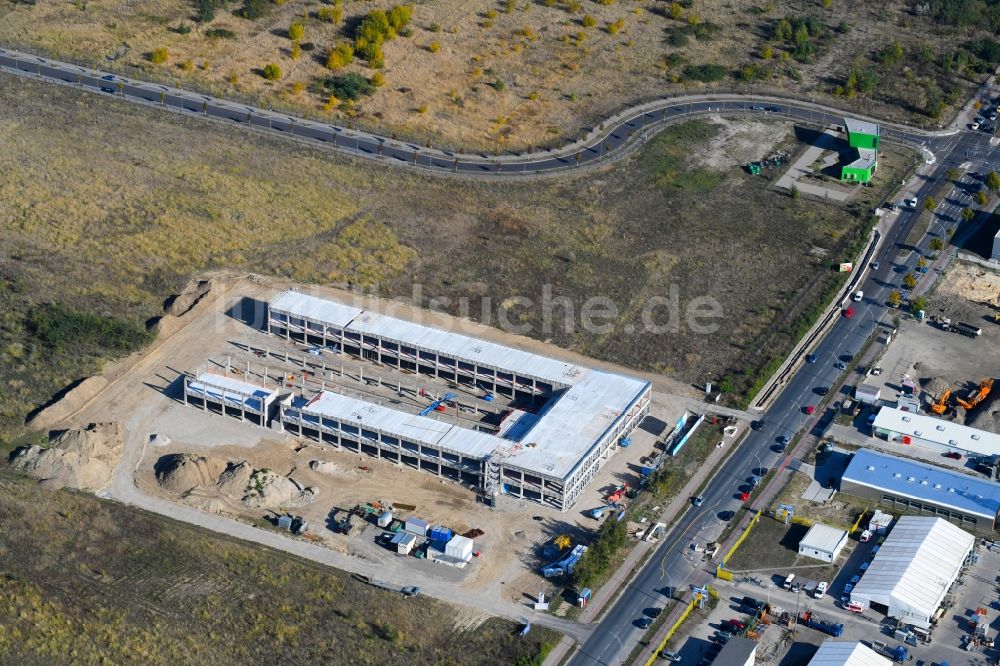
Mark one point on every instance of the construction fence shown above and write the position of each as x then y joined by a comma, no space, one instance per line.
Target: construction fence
720,570
694,602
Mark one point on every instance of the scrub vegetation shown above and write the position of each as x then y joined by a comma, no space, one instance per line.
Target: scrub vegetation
498,75
93,582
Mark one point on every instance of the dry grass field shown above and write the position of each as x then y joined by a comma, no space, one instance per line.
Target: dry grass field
74,590
108,209
514,74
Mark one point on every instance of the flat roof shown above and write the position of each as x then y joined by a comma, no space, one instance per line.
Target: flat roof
921,481
915,565
847,653
736,652
214,386
867,158
465,348
856,126
939,431
574,423
319,309
419,429
823,538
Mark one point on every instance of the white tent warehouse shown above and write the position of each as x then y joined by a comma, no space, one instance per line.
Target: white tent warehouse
914,569
847,653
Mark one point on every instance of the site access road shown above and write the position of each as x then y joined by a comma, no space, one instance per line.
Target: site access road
616,137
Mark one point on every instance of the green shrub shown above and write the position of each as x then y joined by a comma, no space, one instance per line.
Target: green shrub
351,86
159,56
333,14
220,33
253,9
296,31
60,327
204,10
705,73
272,72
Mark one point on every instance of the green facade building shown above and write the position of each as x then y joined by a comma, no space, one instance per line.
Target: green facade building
864,137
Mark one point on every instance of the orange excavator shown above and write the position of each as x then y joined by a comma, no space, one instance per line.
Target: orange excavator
941,406
977,396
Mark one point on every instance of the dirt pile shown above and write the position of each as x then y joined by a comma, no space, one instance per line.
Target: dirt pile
182,472
180,304
82,458
987,415
68,404
212,483
268,489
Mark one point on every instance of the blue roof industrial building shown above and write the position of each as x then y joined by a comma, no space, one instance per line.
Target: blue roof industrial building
924,489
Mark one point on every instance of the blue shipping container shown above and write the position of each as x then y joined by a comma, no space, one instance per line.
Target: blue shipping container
440,534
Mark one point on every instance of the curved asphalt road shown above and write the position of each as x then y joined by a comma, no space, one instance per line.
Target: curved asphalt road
625,133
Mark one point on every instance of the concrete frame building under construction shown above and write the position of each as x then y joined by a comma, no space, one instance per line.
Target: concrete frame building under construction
226,395
546,457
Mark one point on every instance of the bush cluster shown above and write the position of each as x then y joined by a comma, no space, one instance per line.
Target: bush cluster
351,86
60,327
376,28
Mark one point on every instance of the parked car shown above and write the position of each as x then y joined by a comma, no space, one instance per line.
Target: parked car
654,612
954,455
698,501
744,496
875,265
911,202
669,655
974,126
823,390
848,312
866,536
811,358
858,296
757,107
854,607
840,365
643,623
810,409
821,590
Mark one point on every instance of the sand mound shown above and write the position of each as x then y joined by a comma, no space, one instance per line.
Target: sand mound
235,480
181,472
268,489
181,304
211,483
82,458
69,404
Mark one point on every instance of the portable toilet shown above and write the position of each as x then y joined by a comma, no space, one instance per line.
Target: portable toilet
440,534
385,519
285,522
583,597
416,526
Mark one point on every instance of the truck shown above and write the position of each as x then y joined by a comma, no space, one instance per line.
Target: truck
967,330
897,654
835,629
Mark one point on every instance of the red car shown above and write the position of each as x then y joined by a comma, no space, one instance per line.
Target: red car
810,409
744,496
849,312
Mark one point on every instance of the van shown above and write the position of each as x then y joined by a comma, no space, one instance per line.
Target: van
789,581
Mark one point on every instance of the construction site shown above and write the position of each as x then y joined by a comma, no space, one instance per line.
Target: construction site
493,471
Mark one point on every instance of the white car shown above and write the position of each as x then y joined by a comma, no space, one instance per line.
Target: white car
858,296
821,590
974,126
912,201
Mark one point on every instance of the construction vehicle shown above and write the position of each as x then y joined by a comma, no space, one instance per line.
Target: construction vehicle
967,330
617,494
978,395
897,654
437,405
941,406
809,619
566,565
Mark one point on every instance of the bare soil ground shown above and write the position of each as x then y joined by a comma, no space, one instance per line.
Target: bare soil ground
112,208
83,581
147,400
523,73
941,359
